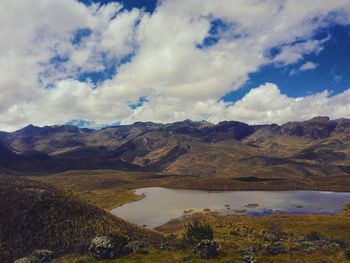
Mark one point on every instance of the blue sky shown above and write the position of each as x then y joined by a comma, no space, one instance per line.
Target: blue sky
332,71
96,63
147,5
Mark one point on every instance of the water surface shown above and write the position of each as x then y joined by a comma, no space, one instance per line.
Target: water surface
162,204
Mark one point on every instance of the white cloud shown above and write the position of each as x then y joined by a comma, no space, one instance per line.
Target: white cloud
291,54
180,80
308,66
264,104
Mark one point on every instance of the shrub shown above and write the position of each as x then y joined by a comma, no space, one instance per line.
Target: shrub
196,231
207,249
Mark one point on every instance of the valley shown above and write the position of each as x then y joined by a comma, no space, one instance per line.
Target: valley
47,172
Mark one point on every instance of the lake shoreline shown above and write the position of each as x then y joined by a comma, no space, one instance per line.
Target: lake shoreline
170,204
139,197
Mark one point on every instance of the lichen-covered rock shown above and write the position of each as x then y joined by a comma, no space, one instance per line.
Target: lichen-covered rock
28,259
140,246
107,247
167,246
207,249
270,237
309,246
248,254
38,256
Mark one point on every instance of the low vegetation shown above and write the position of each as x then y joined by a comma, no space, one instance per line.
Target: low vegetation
271,238
36,215
71,224
109,198
195,231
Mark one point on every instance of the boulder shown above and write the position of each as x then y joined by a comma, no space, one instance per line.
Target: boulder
43,255
167,245
108,247
137,247
38,256
28,259
248,254
207,249
307,246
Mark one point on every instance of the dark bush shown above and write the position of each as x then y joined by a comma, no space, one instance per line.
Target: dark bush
207,249
196,231
314,236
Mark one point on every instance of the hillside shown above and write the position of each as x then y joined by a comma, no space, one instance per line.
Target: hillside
317,147
36,215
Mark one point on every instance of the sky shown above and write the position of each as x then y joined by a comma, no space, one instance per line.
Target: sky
94,63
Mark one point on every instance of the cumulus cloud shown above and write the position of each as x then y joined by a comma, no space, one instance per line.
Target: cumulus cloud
264,104
308,66
291,54
164,56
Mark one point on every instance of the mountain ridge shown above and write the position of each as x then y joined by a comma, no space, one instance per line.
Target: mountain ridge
318,146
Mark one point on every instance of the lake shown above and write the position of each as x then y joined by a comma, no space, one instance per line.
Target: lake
162,204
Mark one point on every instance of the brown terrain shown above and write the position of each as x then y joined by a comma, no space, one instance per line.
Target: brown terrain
56,182
313,154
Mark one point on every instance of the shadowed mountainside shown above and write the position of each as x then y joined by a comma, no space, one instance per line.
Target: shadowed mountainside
36,215
317,147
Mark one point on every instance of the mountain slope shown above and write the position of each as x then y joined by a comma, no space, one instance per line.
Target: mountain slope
317,147
36,215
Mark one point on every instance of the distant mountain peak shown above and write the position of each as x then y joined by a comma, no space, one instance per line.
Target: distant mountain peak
168,147
320,119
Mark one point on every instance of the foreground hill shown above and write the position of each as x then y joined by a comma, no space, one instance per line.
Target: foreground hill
36,215
317,147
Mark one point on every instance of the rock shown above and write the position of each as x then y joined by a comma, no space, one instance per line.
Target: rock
207,249
28,259
313,236
316,128
307,246
107,247
43,255
38,256
311,245
137,247
275,249
167,246
248,254
270,237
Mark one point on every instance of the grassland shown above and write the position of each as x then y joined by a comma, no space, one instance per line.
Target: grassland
36,215
108,189
332,227
230,256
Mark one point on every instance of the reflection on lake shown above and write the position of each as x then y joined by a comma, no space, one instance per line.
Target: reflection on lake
162,204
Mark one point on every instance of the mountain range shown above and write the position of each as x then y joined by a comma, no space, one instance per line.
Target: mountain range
316,147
